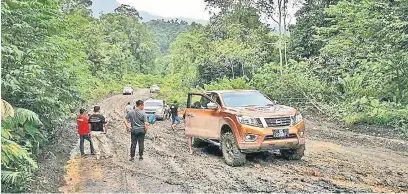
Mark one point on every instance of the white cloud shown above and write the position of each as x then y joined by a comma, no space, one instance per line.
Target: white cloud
171,8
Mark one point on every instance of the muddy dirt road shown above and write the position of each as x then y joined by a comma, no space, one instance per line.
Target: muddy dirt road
335,161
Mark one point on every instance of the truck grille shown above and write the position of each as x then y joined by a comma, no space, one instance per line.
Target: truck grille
271,137
278,122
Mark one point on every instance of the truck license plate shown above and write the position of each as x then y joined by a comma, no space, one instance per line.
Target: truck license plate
279,133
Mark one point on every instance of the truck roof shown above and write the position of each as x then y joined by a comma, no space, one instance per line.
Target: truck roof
154,100
228,91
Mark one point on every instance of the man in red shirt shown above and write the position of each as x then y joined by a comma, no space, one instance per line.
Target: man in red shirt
83,130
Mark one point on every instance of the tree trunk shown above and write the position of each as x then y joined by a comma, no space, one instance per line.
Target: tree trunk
232,69
285,8
280,35
243,70
285,11
399,96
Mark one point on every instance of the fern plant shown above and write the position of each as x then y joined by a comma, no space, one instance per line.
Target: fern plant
19,132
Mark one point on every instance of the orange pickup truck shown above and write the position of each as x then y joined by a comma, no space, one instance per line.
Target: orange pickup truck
244,121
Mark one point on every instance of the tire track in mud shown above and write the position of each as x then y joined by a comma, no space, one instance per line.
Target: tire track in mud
335,161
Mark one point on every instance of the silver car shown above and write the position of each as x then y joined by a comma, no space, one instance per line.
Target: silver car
156,107
127,90
154,88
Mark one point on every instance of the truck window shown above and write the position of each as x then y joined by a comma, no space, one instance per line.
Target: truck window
217,99
195,101
198,101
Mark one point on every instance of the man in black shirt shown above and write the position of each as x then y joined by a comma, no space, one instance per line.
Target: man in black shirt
174,115
97,124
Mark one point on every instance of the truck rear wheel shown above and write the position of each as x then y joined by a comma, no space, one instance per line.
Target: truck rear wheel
232,155
293,154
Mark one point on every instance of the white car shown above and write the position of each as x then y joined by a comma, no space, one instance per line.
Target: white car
127,90
154,88
156,107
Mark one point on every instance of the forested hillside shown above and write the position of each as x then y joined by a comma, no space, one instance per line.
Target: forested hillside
55,57
165,32
347,59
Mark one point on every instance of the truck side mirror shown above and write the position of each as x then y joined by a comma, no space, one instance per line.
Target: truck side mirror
212,106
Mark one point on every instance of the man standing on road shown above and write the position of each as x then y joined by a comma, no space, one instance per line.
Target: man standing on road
83,130
166,112
175,120
128,108
138,128
97,123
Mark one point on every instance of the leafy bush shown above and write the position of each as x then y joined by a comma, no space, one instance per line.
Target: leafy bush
371,110
141,80
21,137
173,89
227,84
294,87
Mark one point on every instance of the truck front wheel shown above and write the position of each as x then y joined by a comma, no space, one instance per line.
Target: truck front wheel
232,155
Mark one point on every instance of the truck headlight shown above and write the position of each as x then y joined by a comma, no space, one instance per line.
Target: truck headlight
247,120
250,137
302,133
297,118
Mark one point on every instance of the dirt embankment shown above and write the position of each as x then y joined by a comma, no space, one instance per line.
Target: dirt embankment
335,161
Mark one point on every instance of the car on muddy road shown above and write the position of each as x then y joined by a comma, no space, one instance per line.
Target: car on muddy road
154,88
242,122
127,91
155,107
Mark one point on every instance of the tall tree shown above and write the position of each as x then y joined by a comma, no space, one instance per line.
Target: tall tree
277,11
128,10
312,14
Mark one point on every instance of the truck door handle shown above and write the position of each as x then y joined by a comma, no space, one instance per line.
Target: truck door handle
190,115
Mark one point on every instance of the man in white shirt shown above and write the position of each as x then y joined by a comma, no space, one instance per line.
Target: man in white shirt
128,108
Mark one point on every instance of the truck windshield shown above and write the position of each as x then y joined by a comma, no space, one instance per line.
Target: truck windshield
245,99
153,104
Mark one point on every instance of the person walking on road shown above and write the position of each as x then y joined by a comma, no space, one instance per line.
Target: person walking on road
128,108
175,120
138,128
98,126
83,130
166,112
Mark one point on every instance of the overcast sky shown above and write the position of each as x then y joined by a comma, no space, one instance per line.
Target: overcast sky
194,9
171,8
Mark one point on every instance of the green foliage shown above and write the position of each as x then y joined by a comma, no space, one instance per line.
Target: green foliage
172,88
367,44
303,43
365,58
226,84
35,74
294,87
185,54
56,57
165,32
141,80
21,136
233,45
54,61
372,111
